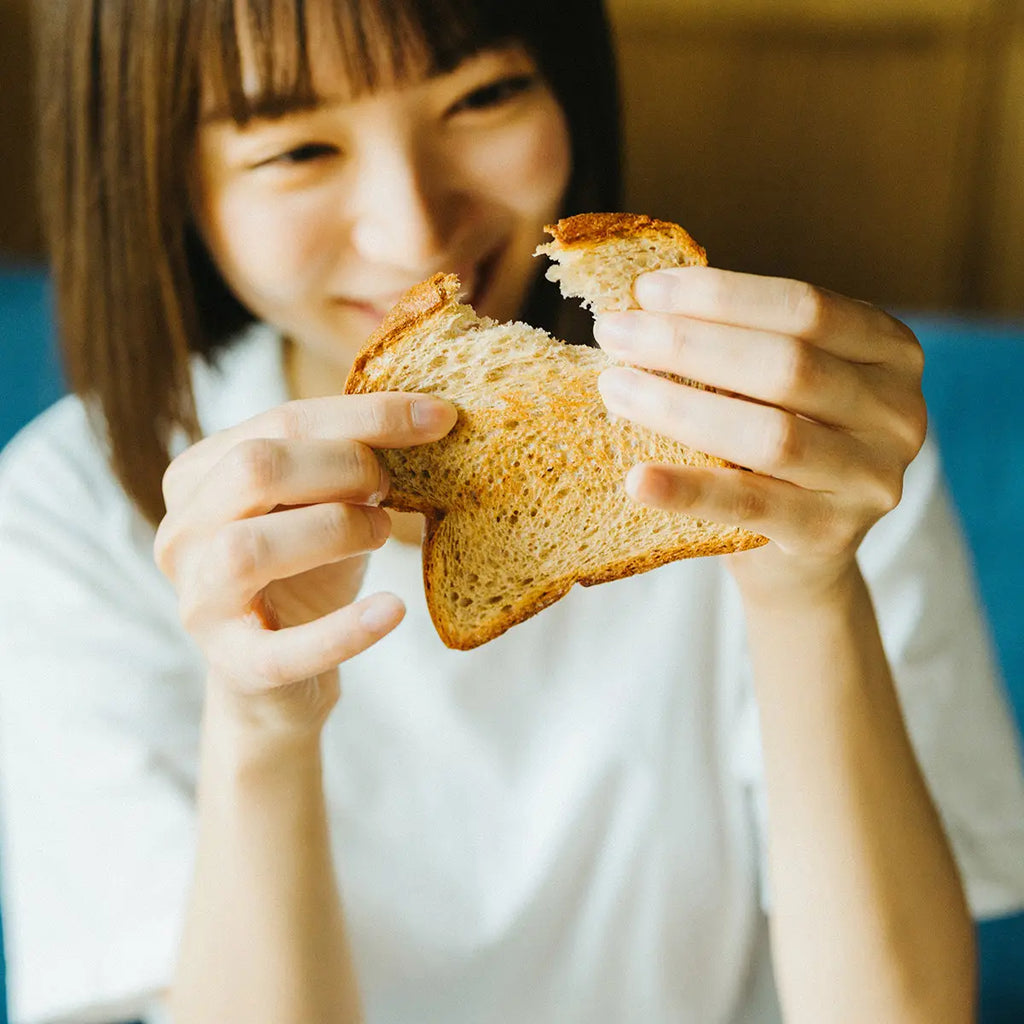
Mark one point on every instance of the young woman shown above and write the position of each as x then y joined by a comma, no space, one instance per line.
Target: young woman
665,799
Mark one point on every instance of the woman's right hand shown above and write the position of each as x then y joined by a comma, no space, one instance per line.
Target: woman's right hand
266,537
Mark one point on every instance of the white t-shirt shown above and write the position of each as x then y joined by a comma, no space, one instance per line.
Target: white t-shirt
564,825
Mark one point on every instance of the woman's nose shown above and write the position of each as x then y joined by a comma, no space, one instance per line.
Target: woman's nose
404,215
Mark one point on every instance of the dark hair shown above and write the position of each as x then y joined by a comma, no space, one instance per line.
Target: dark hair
136,292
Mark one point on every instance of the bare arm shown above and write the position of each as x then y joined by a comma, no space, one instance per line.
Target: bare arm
264,938
820,397
868,920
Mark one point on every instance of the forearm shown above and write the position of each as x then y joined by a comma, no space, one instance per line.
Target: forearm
264,938
869,920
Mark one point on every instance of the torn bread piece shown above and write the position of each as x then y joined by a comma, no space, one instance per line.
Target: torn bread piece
525,496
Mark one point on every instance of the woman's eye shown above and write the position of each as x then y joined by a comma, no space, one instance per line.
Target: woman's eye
495,93
304,154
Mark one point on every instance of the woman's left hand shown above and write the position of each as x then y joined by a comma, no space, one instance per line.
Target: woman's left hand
818,394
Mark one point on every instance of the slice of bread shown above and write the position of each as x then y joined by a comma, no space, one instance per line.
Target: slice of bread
525,496
598,256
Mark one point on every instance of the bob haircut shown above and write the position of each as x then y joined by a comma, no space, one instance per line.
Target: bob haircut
119,104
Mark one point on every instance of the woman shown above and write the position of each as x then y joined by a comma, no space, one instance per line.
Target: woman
587,818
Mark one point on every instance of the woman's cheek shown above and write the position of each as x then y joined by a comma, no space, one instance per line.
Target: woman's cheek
529,167
275,246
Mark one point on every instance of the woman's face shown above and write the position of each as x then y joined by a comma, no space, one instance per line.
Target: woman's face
319,219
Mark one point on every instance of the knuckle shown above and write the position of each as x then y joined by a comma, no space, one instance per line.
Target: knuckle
164,549
907,425
362,528
289,421
662,398
798,370
903,331
782,441
879,488
806,307
750,504
677,336
380,416
888,492
237,551
358,468
272,671
716,289
172,482
908,352
257,463
336,523
917,424
914,354
365,464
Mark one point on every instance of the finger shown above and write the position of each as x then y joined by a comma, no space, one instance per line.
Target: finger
258,475
777,369
845,327
759,437
267,659
245,556
788,515
381,420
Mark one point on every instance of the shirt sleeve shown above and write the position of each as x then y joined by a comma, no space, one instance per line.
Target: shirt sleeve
100,702
922,583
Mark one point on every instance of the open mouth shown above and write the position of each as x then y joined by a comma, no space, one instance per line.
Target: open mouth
475,290
476,283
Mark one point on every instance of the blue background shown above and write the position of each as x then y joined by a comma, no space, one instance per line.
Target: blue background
974,383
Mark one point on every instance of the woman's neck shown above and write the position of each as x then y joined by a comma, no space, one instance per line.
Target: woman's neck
308,375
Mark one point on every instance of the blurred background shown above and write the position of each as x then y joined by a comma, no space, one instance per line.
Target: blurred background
872,146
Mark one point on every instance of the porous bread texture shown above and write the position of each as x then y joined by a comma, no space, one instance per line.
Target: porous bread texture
524,497
599,255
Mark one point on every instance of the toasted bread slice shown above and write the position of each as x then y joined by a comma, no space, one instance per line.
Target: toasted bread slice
525,496
598,256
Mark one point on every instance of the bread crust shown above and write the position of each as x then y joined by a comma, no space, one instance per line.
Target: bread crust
587,229
415,307
466,640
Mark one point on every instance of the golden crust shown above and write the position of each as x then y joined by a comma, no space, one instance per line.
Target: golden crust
466,640
586,229
417,305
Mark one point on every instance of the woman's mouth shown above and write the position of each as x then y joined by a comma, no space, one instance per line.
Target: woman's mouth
475,285
475,288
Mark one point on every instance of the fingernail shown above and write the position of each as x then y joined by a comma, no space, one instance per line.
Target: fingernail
649,486
383,486
618,385
432,414
617,331
380,614
655,290
380,525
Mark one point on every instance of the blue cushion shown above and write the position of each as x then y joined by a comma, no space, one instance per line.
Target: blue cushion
974,383
30,379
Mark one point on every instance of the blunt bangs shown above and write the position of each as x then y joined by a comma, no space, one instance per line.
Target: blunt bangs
259,57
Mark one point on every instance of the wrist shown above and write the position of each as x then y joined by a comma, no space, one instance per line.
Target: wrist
778,585
257,727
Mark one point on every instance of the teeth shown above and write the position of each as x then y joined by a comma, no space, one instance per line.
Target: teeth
468,284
